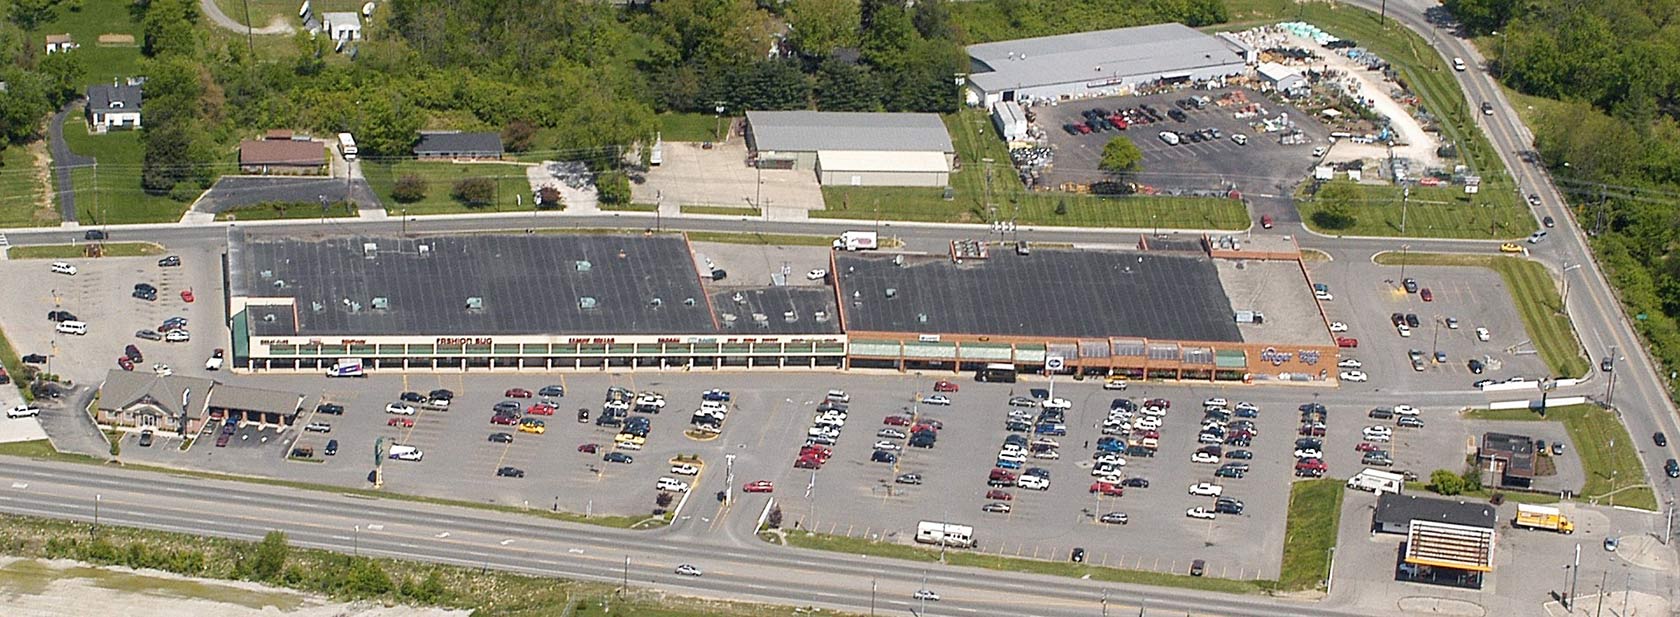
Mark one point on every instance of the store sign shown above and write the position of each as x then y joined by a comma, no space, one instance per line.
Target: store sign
463,340
1309,357
1274,357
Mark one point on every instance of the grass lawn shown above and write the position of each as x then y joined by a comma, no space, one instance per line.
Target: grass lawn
1537,300
95,18
23,189
14,369
267,212
1605,448
1430,212
513,190
1426,74
972,134
757,238
1315,506
264,10
77,251
675,126
629,207
723,210
110,193
961,557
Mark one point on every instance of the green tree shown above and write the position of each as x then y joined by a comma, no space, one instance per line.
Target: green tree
1336,201
367,579
170,27
474,192
22,104
386,127
66,74
268,558
409,188
843,86
613,187
1445,482
1472,479
821,26
519,135
1120,156
30,14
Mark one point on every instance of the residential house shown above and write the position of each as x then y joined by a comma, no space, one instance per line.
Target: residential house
60,42
283,156
172,403
115,106
457,145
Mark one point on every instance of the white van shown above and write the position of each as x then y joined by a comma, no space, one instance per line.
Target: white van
406,453
63,267
77,328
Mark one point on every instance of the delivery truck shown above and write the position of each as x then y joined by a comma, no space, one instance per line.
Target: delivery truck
1377,481
948,534
346,367
347,146
858,241
1543,517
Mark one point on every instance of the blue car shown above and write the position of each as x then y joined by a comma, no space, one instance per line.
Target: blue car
1247,413
1110,444
1008,464
1055,430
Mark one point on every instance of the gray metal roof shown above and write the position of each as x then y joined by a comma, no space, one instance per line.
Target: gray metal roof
1050,293
1400,510
104,98
241,398
125,390
459,144
809,131
1142,51
526,284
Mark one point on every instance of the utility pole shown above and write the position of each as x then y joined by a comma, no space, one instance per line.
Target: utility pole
1601,583
871,597
1405,198
1105,603
250,41
626,586
1574,577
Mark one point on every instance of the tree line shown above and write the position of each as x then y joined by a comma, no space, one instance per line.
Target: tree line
1613,143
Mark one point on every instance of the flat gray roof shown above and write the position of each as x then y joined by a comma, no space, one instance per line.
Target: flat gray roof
528,284
1142,51
809,131
786,310
1050,293
1280,291
1399,510
459,144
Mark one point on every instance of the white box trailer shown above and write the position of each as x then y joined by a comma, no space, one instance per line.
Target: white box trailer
1377,481
948,534
347,367
858,241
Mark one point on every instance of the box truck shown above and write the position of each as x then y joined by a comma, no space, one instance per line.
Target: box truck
858,241
948,534
347,146
346,367
1377,481
1543,517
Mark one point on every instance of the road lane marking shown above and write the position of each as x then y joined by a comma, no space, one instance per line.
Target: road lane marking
20,485
506,542
441,534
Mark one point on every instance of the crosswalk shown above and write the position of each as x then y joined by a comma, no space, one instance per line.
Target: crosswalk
4,244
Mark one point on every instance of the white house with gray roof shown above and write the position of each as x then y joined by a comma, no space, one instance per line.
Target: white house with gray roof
1100,63
854,148
114,106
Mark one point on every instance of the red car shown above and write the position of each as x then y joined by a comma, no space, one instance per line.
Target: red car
816,452
998,494
1084,129
402,422
517,393
1107,488
1266,221
125,363
505,420
1149,434
1347,342
187,295
924,426
896,420
1118,121
758,486
541,409
589,448
1427,295
1310,464
1366,446
1158,402
944,386
807,463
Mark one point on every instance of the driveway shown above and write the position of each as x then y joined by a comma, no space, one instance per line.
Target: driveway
277,25
64,161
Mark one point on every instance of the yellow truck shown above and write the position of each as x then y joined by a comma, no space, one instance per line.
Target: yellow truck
1543,517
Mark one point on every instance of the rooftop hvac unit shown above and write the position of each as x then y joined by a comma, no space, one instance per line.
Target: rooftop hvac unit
790,316
280,284
921,317
425,250
688,301
317,307
656,303
898,260
892,292
586,303
267,274
728,319
370,250
381,303
738,298
268,317
821,316
582,265
761,319
475,304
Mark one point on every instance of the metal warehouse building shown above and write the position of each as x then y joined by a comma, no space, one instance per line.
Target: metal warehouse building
1101,63
854,148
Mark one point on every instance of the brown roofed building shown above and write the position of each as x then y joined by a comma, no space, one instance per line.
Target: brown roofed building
282,156
1509,457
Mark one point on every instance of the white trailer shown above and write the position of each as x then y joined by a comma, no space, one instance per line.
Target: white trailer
948,534
347,367
858,241
347,146
1377,481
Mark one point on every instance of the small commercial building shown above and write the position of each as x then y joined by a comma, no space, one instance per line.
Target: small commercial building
282,154
342,26
856,148
114,106
1100,63
457,145
256,405
1395,513
1280,77
145,400
1010,120
1510,458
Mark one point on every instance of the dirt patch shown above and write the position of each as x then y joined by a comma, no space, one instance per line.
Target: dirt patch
52,588
116,40
44,211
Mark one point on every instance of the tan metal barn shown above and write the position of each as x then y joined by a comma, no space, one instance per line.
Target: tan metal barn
881,168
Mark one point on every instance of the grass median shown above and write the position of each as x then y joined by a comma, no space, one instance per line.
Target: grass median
961,557
78,251
277,211
723,210
512,192
1536,298
1604,446
976,141
725,237
1315,507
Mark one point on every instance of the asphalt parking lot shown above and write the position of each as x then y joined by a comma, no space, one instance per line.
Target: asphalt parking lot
1263,165
1367,295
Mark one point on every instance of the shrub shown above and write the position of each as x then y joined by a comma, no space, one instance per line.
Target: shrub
774,520
613,187
518,135
1445,482
664,500
268,558
409,189
474,191
367,579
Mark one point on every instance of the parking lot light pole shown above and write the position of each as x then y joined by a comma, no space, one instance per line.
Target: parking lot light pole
356,541
1404,248
96,511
